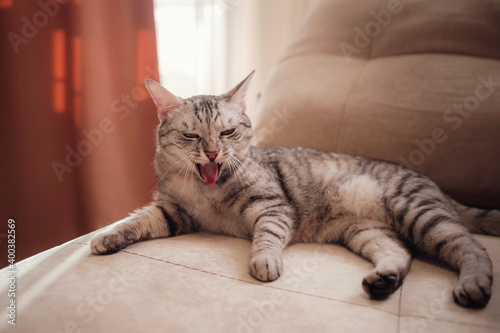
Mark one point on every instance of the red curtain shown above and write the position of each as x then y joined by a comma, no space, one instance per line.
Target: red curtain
77,129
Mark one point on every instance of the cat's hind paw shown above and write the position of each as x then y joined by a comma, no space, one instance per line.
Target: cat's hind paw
473,292
266,267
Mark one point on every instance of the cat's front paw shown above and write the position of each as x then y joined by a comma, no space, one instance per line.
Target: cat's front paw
266,267
473,292
109,241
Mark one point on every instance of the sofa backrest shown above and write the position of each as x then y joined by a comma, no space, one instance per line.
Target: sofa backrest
413,82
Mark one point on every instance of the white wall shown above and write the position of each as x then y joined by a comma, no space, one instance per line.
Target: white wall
258,30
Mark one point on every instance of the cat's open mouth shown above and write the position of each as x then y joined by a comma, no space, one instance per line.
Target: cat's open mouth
209,172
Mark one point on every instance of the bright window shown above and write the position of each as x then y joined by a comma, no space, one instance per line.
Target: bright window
191,39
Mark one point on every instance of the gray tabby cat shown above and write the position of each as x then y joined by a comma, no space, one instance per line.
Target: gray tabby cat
211,178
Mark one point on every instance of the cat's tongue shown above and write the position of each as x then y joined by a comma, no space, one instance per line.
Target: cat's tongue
209,172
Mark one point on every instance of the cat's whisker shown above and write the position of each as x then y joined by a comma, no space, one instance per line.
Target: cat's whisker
233,164
236,170
267,172
247,171
166,172
173,180
185,178
256,179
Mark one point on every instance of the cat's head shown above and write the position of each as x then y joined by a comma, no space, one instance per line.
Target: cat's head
202,136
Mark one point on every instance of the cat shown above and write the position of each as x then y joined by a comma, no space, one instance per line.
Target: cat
211,178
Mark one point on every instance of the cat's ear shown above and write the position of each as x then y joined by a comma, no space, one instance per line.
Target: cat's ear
165,101
238,93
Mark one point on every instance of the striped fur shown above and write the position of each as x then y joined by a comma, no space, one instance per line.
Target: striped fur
280,195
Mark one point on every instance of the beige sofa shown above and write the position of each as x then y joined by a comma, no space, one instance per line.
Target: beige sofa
388,101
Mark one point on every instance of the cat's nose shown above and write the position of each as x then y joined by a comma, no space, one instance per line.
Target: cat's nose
211,155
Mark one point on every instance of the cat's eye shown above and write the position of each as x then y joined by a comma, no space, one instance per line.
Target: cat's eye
228,132
191,136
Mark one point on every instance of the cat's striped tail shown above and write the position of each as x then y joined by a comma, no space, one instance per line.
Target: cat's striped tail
481,221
